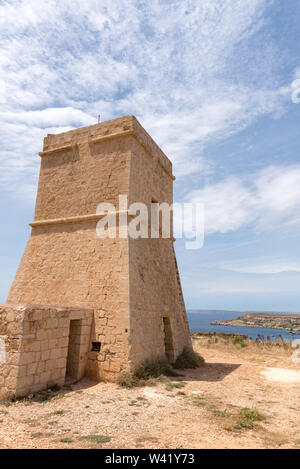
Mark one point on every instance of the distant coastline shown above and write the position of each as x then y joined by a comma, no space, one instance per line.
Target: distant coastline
288,322
240,312
232,322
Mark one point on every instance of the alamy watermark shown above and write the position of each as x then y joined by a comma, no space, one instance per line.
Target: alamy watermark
153,221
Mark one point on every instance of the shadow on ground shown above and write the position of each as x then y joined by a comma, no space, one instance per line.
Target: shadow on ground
209,372
58,392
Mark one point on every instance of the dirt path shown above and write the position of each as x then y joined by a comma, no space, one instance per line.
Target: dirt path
202,409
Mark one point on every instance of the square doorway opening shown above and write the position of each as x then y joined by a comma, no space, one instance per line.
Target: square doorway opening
73,357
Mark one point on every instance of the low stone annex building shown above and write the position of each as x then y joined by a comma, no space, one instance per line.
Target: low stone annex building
80,305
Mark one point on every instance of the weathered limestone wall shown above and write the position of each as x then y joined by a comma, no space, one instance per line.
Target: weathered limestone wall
68,265
36,342
155,294
64,261
155,290
73,182
130,284
11,333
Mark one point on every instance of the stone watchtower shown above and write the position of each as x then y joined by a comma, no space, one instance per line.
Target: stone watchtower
131,287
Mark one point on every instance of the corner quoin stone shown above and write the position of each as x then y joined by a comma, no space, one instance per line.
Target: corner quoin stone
125,294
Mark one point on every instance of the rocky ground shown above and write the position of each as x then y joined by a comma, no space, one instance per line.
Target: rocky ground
205,408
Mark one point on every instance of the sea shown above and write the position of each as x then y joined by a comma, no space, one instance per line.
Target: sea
200,321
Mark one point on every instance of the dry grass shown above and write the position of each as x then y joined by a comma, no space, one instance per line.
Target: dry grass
239,419
154,371
188,359
227,403
236,342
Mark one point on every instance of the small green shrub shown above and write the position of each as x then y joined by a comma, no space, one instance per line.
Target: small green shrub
42,396
128,380
220,413
247,417
155,368
97,438
155,381
148,374
239,341
188,359
8,399
132,403
171,386
198,403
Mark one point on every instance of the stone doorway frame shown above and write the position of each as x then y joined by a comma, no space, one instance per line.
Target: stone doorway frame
168,339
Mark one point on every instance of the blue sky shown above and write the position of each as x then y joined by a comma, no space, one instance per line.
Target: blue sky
211,81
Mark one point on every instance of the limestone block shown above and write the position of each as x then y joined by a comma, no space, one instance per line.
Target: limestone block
45,355
32,369
27,358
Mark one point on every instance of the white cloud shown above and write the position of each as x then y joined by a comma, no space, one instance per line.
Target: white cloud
267,269
267,199
50,117
227,205
278,189
234,283
177,66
